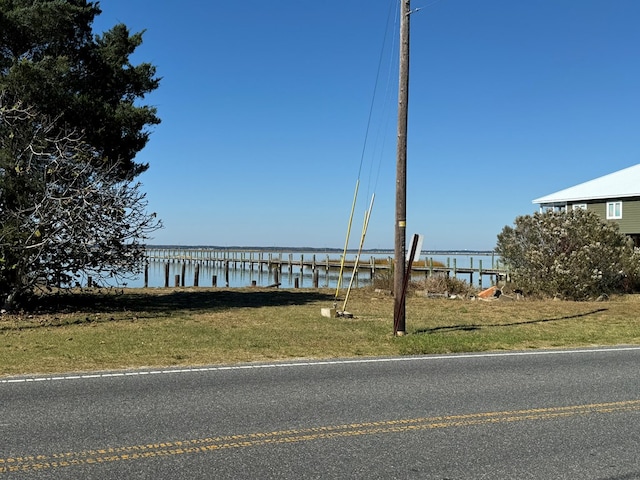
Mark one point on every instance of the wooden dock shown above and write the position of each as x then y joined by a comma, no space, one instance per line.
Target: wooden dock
278,262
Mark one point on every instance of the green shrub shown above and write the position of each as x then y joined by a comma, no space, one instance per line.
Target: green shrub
574,255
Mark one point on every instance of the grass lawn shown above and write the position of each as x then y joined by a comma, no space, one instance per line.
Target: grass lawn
191,326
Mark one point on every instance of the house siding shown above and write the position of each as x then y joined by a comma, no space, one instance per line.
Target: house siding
630,221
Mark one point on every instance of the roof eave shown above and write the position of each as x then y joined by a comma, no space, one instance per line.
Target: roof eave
550,199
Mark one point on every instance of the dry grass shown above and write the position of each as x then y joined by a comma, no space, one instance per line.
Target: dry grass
157,327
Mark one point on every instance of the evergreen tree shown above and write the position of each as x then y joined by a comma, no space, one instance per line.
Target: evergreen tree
51,60
70,128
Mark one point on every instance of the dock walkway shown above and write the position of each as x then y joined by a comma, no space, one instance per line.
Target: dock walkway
259,260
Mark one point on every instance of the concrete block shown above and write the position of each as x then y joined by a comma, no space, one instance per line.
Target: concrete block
328,312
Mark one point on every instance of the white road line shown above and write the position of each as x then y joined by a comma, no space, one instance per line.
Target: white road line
136,373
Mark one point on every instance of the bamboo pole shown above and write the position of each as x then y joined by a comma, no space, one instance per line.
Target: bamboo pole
346,242
365,225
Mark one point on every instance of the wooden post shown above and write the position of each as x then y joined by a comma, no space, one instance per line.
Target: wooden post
296,282
177,281
315,278
89,282
146,275
480,274
166,275
226,272
399,273
214,281
402,294
276,276
184,271
196,275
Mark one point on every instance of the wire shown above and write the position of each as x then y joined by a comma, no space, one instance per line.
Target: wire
362,155
375,89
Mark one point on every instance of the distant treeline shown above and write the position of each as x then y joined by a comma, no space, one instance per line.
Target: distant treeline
368,251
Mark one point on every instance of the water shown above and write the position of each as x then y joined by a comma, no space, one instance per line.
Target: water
239,277
244,277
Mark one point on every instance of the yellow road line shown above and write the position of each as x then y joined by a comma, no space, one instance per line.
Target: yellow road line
30,463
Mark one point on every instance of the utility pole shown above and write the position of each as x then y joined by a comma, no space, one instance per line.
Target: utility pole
399,327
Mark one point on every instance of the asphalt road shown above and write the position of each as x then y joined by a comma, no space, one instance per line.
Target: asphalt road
543,415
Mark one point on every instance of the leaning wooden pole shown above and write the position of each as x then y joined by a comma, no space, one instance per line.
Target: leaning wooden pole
365,226
346,242
407,277
401,173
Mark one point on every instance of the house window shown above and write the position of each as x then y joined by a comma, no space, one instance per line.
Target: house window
579,206
553,208
614,210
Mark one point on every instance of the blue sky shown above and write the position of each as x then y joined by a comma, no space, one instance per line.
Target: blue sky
265,108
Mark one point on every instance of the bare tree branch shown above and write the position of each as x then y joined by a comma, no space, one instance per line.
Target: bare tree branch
62,216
